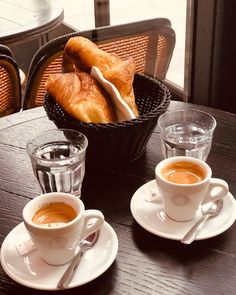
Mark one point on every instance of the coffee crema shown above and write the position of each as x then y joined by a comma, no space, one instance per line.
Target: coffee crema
183,173
53,214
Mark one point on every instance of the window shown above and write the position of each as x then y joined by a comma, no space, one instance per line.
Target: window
80,15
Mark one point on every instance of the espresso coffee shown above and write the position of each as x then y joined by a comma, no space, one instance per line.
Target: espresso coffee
183,173
53,214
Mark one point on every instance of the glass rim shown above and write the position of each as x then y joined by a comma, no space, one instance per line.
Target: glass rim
214,122
79,152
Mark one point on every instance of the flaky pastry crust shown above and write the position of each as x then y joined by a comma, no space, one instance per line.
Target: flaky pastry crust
85,54
81,97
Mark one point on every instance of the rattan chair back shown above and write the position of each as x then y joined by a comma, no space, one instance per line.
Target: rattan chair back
149,42
10,86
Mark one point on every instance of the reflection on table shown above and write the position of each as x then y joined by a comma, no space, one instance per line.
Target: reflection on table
24,20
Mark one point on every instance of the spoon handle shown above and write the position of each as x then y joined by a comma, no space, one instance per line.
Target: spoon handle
69,273
192,233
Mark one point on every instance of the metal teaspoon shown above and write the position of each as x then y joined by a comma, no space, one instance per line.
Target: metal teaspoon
213,210
70,272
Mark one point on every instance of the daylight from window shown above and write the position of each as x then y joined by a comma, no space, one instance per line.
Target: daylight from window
80,15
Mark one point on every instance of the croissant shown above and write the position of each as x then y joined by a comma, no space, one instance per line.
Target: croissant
81,97
85,54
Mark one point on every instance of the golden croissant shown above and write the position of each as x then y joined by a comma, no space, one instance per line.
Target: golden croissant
81,97
85,54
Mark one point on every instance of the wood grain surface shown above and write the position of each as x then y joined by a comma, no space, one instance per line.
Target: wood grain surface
145,264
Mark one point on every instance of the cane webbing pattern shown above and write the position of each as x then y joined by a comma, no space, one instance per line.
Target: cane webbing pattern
150,43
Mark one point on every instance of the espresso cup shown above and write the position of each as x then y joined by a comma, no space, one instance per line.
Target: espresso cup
56,222
186,183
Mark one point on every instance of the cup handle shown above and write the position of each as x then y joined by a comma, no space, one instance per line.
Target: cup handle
93,221
218,189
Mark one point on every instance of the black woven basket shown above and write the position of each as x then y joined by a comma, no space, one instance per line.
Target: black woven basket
117,144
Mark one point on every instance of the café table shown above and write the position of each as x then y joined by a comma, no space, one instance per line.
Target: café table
21,21
145,263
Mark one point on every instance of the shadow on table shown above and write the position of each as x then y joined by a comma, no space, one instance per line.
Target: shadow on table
157,247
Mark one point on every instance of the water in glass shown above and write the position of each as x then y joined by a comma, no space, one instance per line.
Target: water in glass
186,140
64,173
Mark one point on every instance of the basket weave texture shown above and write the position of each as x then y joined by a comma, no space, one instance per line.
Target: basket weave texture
117,144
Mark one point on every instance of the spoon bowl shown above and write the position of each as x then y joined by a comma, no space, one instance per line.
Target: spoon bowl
208,211
212,209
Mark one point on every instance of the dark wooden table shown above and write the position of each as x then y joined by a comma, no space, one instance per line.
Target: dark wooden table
21,21
145,264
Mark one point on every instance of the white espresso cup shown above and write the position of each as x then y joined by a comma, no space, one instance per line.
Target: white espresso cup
186,183
56,222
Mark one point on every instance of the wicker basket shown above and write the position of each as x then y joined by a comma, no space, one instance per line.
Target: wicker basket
117,144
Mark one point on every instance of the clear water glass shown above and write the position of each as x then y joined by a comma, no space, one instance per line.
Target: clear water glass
58,160
186,133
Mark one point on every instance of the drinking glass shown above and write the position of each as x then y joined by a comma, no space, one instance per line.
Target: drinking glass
58,160
186,133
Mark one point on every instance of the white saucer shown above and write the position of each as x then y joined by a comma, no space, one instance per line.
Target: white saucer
31,271
150,216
